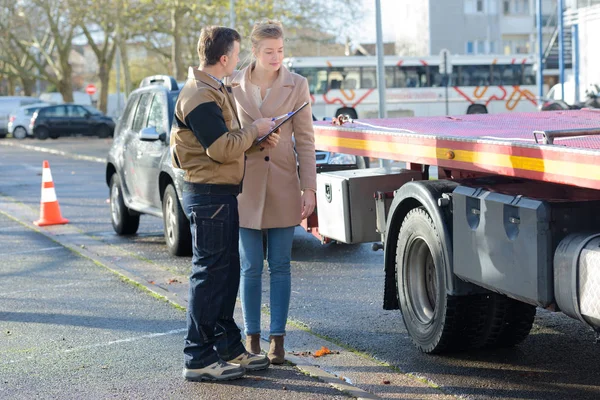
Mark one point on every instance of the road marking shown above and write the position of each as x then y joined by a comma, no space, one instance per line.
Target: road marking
38,289
32,251
96,345
52,151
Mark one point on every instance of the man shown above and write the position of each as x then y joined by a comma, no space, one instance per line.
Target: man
208,143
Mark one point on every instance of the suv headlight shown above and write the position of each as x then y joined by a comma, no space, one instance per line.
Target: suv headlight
341,158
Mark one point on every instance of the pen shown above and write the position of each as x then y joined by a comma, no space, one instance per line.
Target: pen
282,116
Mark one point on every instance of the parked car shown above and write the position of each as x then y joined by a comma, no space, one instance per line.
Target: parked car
7,105
68,119
554,100
139,172
19,119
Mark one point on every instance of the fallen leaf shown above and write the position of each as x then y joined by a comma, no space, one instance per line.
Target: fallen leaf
386,382
151,282
324,350
174,280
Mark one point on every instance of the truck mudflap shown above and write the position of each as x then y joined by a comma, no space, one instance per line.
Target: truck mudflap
577,277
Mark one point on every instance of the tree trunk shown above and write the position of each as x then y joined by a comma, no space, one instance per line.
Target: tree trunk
65,84
28,86
125,64
104,81
176,56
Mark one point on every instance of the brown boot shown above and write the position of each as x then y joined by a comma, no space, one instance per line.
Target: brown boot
276,350
253,343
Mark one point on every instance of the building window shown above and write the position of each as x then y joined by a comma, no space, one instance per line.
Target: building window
479,5
480,47
492,47
470,47
506,7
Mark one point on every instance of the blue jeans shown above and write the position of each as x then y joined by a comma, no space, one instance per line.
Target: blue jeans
212,332
279,256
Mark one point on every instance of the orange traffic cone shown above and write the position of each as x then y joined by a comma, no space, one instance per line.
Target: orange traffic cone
49,209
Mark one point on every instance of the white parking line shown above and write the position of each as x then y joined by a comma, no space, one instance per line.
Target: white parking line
32,251
105,344
57,152
38,289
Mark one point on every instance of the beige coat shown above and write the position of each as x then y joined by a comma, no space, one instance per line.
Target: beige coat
271,194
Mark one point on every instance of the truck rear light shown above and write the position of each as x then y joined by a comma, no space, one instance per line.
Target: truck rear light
12,118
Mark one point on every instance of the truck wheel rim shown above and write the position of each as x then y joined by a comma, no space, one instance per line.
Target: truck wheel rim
170,219
421,280
114,204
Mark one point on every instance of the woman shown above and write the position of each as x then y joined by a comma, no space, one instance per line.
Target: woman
279,188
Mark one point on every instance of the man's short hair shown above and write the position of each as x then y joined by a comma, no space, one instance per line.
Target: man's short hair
214,42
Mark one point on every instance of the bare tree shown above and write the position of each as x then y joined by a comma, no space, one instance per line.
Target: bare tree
42,31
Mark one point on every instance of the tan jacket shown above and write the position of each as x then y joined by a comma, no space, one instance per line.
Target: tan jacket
206,139
271,197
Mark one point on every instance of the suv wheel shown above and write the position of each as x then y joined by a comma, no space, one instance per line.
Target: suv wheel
103,131
42,133
177,226
122,221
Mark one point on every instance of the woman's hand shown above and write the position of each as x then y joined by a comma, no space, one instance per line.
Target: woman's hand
272,140
309,202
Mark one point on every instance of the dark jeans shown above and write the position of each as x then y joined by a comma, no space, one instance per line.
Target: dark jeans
214,281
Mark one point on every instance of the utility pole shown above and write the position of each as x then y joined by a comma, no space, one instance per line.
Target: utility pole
540,69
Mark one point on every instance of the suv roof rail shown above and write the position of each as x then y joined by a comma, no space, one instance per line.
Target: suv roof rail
165,80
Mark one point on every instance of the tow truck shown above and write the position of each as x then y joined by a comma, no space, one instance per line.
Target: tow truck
511,223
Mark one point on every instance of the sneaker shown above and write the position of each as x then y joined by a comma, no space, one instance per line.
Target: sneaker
218,371
251,362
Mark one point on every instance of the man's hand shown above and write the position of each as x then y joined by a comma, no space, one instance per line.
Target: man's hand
271,141
264,125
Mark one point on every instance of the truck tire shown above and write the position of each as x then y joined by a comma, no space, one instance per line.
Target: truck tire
176,225
499,321
432,318
517,325
477,109
122,221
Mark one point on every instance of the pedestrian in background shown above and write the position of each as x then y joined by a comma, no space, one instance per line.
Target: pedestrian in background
279,185
208,143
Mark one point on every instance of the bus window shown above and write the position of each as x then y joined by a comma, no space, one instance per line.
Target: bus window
415,76
389,77
475,75
439,80
351,78
506,74
528,75
368,78
316,77
335,79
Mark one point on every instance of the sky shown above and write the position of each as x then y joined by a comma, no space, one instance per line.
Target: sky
389,8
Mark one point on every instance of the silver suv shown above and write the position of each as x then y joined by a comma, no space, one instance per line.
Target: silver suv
139,172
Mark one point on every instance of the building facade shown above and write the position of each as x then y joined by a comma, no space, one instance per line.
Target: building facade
471,26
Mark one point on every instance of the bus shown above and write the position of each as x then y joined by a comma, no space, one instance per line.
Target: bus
415,86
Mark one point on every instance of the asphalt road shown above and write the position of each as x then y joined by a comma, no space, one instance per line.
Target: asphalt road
70,329
337,293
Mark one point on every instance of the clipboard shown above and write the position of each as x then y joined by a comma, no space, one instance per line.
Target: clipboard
284,120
